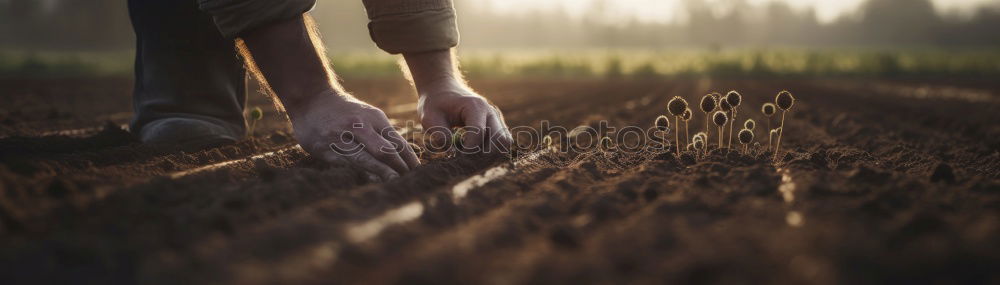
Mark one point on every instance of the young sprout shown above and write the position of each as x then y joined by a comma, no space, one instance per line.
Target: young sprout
784,101
662,124
417,150
256,114
720,120
699,145
686,117
708,104
750,124
606,143
702,136
456,137
676,107
547,142
725,107
734,99
746,137
774,132
768,109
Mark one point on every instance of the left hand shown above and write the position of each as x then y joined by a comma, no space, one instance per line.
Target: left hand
455,105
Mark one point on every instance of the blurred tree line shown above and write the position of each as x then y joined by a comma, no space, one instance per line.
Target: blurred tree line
104,25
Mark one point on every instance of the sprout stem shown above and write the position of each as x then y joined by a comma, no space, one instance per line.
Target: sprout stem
253,127
677,135
687,135
720,136
782,132
769,132
731,123
707,133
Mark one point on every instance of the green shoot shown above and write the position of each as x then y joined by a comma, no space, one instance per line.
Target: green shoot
256,114
750,124
702,136
457,134
768,109
686,117
662,124
606,144
746,137
784,101
708,104
734,99
720,120
417,150
676,107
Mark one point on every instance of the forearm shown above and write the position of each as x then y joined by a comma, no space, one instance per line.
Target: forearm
434,70
289,57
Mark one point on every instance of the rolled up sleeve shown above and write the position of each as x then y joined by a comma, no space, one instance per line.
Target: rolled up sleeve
412,26
235,17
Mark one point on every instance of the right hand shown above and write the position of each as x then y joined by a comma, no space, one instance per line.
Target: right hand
343,129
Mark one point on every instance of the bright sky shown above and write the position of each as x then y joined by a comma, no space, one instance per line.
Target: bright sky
665,10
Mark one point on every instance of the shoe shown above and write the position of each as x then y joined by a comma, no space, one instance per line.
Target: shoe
185,134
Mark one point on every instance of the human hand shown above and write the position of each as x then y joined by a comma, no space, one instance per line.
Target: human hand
448,105
340,128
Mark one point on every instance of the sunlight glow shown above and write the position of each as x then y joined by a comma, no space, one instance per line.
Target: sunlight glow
663,11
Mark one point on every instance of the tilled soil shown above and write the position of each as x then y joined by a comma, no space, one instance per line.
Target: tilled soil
878,181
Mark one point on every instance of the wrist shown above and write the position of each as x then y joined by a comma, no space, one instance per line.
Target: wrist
299,106
434,71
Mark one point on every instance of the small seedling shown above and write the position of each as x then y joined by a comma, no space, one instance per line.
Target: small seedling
662,124
686,117
720,118
606,143
702,136
708,104
768,109
676,107
746,137
547,142
725,107
734,99
784,101
775,132
419,151
256,114
750,124
456,137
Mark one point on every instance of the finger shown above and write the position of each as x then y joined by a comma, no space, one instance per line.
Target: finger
499,137
438,129
361,158
503,121
334,157
410,157
475,122
382,150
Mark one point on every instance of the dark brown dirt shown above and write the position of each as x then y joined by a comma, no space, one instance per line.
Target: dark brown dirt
872,186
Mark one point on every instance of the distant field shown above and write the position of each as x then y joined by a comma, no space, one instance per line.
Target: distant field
607,63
